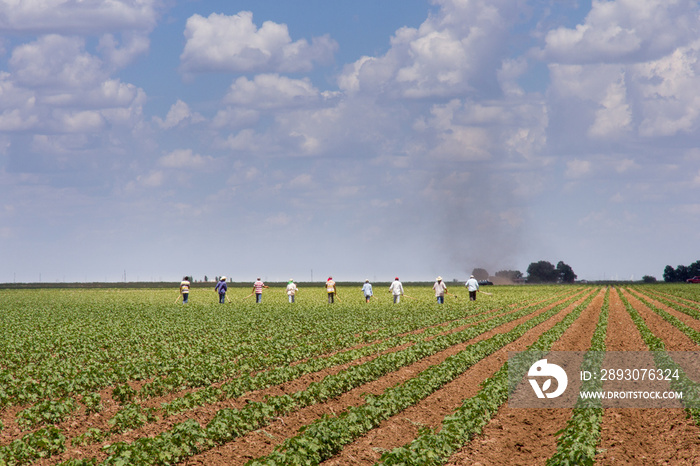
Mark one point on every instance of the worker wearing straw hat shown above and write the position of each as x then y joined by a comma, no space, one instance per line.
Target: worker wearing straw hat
440,290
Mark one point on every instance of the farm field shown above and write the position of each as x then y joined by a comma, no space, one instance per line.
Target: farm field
126,376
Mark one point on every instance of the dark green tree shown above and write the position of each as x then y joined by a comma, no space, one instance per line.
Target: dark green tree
694,269
565,273
542,272
682,273
648,279
670,274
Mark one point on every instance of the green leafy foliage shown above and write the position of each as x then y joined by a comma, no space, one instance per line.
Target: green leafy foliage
324,438
59,350
90,436
132,416
92,402
434,448
46,412
690,388
43,443
123,394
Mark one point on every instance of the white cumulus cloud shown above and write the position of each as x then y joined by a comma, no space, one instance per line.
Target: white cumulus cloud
454,51
624,31
185,158
271,91
78,17
234,43
179,114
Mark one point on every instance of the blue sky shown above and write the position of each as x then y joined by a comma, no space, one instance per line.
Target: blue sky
363,139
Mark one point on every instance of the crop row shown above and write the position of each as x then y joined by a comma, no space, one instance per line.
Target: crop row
131,416
578,440
75,346
280,375
690,388
47,337
319,340
232,423
434,447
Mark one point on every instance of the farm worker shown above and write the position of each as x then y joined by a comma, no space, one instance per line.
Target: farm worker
221,289
473,286
396,289
185,289
440,290
330,289
367,290
257,289
291,290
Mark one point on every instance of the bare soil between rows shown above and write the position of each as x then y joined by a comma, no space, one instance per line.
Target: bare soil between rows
248,446
630,436
263,441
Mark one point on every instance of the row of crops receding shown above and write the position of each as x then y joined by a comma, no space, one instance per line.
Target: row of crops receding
120,376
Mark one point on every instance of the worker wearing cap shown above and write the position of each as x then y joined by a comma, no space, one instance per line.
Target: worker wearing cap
440,290
330,289
473,286
291,290
396,289
221,289
367,290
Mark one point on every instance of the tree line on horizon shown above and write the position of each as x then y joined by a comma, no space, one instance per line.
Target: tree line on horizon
682,272
537,272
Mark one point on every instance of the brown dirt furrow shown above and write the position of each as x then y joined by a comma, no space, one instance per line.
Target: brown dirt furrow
642,436
529,436
686,319
202,414
79,423
263,441
677,299
674,339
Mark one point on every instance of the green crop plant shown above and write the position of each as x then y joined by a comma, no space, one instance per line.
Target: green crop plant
131,416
